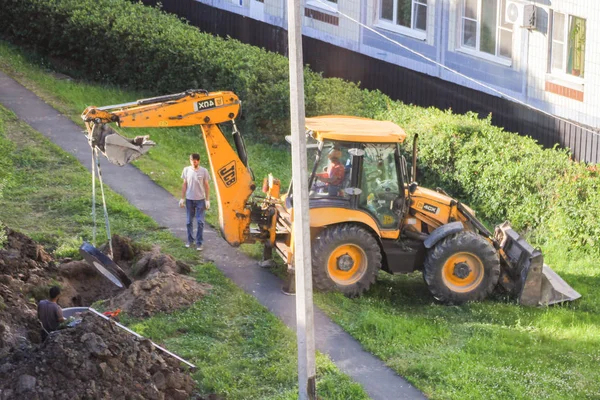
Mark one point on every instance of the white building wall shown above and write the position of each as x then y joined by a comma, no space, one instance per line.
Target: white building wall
345,33
538,62
275,8
524,77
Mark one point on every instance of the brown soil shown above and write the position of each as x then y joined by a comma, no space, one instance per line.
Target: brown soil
159,292
94,360
68,365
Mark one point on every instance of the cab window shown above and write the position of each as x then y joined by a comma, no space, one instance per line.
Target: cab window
333,172
379,183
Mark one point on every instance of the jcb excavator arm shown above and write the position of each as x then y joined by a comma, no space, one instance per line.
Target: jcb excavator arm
233,179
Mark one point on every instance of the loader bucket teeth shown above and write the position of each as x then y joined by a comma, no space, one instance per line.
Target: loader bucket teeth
534,282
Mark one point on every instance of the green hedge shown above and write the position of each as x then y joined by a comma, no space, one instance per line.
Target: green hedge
145,48
502,175
506,176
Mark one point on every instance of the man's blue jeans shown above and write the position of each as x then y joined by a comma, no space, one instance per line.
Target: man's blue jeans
195,208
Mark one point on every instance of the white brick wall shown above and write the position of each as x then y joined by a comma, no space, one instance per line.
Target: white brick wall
275,8
347,31
587,111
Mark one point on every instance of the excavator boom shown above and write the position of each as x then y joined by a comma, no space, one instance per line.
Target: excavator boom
193,107
233,179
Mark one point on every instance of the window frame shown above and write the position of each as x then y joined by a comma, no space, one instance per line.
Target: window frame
404,30
562,73
496,57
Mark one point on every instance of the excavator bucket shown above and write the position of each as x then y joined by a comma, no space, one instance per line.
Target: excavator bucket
118,149
525,274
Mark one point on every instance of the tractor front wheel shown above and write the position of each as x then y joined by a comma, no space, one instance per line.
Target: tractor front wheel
462,267
345,258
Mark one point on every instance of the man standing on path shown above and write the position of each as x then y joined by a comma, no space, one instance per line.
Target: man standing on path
50,313
195,197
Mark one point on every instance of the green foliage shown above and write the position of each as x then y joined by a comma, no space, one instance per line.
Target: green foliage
68,248
145,48
6,167
505,176
574,217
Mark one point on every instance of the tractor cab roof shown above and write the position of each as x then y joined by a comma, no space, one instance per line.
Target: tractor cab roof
354,129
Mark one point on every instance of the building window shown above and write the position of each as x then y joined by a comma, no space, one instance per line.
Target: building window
568,44
410,14
484,28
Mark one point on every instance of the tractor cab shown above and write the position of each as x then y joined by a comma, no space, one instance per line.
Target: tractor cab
358,166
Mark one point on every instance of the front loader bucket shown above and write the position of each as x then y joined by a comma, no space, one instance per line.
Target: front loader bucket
118,149
525,274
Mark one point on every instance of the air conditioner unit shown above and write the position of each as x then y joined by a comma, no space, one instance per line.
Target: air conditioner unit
520,14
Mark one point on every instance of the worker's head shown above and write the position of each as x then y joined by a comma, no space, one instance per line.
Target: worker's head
335,155
195,159
54,292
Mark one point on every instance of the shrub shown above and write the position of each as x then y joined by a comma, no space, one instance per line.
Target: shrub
505,176
145,48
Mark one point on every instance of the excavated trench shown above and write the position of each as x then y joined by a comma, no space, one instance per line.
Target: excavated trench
94,359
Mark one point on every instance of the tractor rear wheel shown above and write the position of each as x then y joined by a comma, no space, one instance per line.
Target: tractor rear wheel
462,267
345,258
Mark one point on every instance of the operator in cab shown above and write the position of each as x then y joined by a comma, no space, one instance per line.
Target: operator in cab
334,175
50,313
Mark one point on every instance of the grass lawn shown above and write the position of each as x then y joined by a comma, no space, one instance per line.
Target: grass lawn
242,351
489,350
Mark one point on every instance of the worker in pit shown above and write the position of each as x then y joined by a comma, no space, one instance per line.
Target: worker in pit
334,175
194,197
50,313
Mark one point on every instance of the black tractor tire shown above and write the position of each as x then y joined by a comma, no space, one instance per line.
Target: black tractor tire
345,258
462,267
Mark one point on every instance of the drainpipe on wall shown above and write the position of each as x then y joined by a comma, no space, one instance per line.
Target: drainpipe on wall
439,34
525,68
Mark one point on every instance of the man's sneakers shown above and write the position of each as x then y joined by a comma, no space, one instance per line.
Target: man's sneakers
198,247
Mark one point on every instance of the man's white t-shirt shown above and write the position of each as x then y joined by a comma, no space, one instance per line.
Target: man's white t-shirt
195,182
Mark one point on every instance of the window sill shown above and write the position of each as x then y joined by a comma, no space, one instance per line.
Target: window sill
570,81
485,56
329,7
413,33
564,88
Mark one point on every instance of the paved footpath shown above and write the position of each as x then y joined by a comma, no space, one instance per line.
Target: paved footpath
378,380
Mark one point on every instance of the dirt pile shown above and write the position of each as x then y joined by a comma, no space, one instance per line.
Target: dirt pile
158,285
94,360
27,272
159,292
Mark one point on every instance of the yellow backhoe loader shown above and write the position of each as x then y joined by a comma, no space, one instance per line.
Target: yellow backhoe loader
371,215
